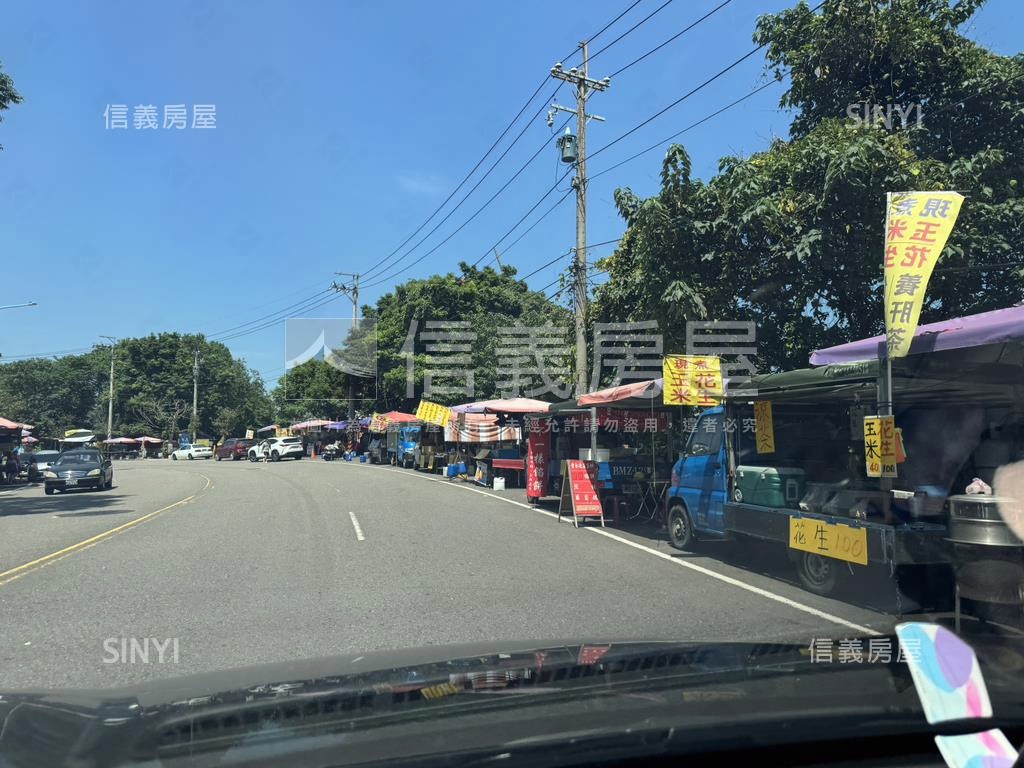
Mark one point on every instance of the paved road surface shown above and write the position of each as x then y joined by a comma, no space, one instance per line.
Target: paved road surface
242,563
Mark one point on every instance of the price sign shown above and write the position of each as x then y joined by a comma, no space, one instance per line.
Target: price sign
842,542
764,427
433,413
880,446
579,491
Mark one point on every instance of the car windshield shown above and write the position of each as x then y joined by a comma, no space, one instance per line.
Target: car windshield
416,332
77,458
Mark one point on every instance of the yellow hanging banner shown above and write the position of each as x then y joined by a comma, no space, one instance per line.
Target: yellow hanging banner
764,427
692,380
917,225
433,413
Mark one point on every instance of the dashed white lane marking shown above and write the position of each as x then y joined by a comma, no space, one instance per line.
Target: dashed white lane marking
355,524
767,594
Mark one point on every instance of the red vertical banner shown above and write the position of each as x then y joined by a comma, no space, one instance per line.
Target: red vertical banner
538,456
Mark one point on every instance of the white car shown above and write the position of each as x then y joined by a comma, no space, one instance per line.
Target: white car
277,448
193,452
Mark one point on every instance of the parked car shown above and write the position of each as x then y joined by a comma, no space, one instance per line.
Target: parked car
277,448
35,463
193,452
79,468
233,448
377,450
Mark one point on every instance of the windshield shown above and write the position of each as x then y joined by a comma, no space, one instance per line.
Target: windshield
77,458
415,332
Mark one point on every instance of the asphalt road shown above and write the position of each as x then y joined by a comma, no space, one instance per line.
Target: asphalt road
231,563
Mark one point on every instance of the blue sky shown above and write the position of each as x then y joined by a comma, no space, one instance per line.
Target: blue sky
341,125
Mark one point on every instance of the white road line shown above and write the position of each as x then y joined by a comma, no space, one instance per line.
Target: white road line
767,594
355,521
355,524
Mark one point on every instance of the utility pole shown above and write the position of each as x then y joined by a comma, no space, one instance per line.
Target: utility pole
195,397
584,87
110,402
350,289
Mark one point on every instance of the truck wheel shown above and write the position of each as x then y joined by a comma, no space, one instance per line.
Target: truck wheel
680,528
818,574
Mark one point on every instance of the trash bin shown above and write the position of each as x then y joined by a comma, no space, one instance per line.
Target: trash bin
988,558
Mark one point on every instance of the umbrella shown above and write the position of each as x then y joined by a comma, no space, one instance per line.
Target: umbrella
268,428
145,439
8,424
122,441
28,439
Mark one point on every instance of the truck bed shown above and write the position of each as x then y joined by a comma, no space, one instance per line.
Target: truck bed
900,544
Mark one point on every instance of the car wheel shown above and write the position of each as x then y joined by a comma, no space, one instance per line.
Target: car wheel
173,457
817,574
680,527
48,491
252,457
190,457
275,456
298,456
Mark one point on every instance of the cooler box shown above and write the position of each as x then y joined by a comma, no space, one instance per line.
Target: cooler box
769,486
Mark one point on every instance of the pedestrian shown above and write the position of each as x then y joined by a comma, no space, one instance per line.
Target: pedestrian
11,468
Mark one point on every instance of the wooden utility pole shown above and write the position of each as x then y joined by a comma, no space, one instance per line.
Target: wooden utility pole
584,87
195,396
352,290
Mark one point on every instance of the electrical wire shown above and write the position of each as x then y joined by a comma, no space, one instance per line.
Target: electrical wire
630,30
674,37
684,130
527,231
228,331
275,321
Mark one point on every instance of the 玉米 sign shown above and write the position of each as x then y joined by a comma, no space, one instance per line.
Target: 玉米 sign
880,446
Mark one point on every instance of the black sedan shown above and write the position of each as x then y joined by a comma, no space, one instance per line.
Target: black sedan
83,468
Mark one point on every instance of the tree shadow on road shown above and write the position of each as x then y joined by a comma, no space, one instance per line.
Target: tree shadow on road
73,504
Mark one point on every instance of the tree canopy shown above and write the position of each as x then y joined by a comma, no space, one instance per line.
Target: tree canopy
792,237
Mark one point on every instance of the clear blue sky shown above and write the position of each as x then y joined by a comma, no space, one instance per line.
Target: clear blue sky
341,125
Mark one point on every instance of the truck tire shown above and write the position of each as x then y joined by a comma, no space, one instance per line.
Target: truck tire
680,527
818,574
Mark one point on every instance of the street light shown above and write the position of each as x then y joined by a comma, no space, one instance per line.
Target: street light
110,404
15,306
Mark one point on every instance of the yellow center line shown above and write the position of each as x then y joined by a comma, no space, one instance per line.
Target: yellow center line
6,577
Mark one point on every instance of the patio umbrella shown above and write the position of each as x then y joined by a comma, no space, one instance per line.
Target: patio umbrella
268,428
28,439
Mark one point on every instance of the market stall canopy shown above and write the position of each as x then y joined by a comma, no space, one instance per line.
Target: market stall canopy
479,428
29,439
122,441
477,407
310,424
398,417
80,438
269,427
146,439
336,425
944,378
632,395
516,405
8,424
998,326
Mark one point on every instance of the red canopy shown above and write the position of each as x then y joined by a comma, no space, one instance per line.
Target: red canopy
398,416
8,424
638,390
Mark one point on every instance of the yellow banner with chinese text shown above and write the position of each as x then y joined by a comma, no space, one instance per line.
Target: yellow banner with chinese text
692,380
433,413
917,225
837,540
880,446
764,427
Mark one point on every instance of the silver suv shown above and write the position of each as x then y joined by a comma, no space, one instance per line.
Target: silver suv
277,448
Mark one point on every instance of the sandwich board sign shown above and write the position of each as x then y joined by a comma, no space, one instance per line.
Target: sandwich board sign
579,492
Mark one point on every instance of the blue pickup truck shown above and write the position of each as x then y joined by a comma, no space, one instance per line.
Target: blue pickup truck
402,445
804,495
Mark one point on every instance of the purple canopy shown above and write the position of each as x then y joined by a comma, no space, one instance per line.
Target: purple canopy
998,326
336,425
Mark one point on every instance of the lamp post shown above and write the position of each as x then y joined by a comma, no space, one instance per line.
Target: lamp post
110,403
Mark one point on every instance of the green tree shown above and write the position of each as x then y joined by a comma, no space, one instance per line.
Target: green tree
8,94
791,237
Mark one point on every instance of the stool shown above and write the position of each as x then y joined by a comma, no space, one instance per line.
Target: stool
613,505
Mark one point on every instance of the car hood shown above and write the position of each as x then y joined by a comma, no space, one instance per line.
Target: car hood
614,684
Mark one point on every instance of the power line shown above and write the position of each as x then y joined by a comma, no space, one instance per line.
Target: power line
264,317
677,35
684,130
475,214
275,321
628,31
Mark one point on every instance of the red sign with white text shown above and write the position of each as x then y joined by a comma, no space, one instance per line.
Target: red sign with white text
583,485
538,455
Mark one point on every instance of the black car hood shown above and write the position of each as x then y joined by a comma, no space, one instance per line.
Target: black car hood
177,719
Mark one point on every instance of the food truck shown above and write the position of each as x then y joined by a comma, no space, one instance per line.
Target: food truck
790,457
